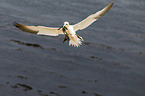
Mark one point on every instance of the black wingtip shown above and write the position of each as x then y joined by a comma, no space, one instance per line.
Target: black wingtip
112,1
16,24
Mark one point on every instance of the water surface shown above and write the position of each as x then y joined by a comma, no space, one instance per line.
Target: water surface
111,61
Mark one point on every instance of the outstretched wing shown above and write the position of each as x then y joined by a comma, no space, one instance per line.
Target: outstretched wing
39,30
92,18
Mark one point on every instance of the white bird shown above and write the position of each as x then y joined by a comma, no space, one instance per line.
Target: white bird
67,29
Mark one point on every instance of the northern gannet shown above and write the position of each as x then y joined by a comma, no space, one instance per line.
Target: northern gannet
67,29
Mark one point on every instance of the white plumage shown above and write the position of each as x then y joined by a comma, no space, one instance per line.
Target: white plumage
68,30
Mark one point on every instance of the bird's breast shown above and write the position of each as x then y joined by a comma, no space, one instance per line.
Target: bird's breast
70,31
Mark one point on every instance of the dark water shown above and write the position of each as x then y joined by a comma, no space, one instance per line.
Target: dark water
111,61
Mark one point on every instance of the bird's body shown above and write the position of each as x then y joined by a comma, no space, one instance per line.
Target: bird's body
73,38
67,29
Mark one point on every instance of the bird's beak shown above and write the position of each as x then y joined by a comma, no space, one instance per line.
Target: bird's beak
64,26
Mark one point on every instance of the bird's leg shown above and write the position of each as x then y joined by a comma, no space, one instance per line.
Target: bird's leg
66,38
64,31
80,37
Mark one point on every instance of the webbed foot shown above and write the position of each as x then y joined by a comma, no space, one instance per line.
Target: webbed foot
66,38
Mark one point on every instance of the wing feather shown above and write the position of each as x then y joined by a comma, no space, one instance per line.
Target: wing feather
39,30
92,18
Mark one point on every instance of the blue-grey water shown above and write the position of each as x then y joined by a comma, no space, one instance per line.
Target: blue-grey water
111,61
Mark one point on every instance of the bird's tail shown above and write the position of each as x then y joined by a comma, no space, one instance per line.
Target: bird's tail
75,41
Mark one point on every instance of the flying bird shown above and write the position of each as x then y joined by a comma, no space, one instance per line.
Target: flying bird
68,30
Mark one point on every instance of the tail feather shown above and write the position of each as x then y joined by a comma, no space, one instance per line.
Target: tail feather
75,41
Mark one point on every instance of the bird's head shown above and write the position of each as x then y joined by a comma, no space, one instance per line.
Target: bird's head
66,24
